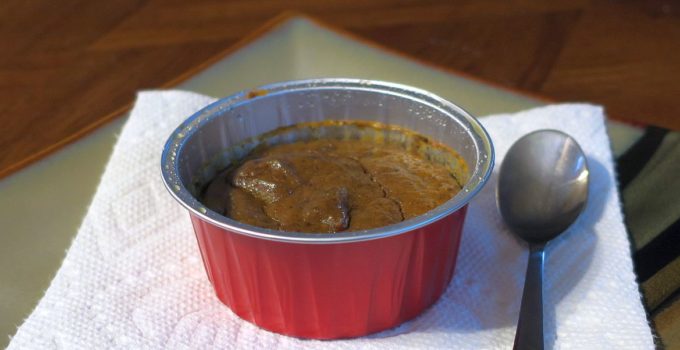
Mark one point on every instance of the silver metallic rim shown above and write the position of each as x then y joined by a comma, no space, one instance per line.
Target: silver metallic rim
479,176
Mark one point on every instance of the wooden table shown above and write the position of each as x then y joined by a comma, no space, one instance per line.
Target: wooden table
69,66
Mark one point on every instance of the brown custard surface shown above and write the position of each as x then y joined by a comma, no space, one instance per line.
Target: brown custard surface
329,185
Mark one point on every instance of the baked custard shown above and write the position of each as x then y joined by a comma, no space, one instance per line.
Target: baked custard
327,185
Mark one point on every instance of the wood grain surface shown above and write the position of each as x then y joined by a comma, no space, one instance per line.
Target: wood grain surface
69,66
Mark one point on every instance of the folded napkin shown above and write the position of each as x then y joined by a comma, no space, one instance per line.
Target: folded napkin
133,277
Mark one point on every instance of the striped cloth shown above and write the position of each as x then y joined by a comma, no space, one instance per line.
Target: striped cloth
649,181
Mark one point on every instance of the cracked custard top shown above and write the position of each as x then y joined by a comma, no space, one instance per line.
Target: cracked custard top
332,185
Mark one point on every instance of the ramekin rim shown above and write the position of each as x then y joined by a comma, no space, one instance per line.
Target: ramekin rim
478,178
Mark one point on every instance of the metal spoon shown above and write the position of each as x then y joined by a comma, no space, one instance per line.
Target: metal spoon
542,189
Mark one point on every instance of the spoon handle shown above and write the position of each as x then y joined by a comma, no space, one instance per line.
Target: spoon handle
530,326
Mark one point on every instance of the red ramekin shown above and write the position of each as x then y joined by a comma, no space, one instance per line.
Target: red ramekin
324,286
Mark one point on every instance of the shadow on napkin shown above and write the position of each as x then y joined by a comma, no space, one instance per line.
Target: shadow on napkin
572,252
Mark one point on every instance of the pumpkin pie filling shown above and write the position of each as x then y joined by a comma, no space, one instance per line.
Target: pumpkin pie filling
331,185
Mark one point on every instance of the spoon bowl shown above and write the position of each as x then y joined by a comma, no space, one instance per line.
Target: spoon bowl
542,189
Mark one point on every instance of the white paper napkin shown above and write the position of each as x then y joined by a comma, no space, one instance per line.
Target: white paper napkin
133,277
